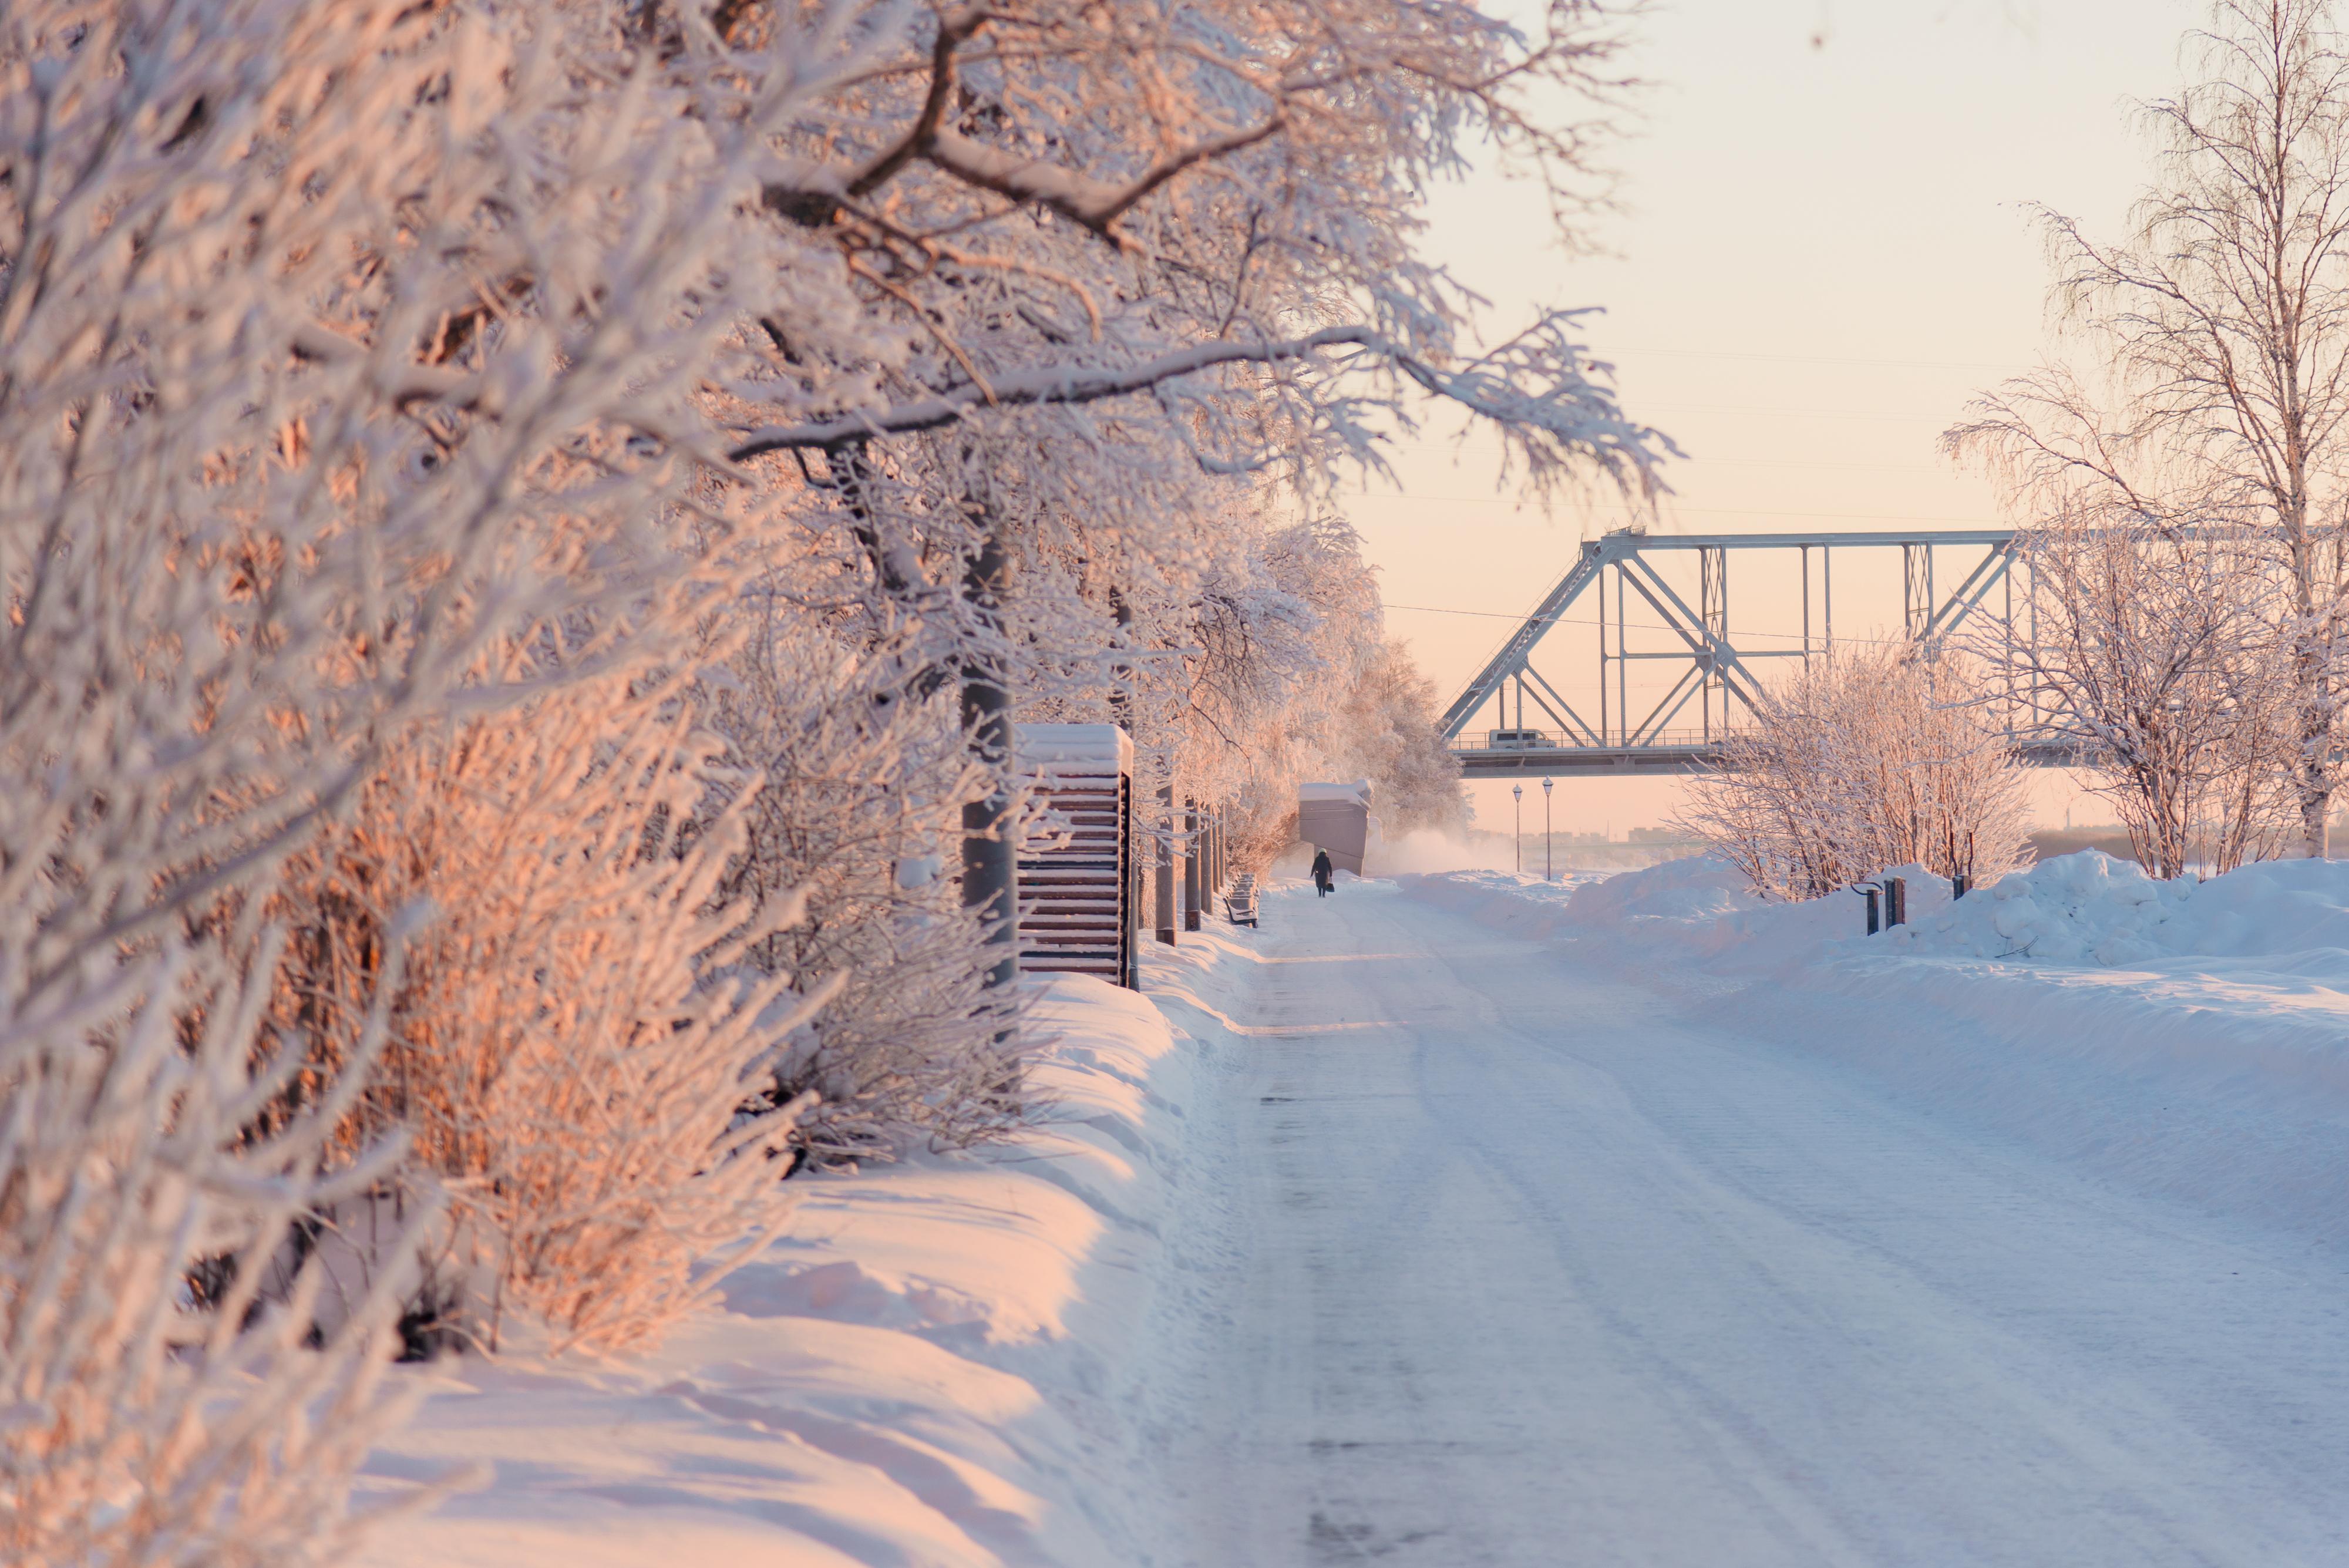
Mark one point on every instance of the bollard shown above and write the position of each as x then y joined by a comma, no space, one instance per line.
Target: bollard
1896,901
1874,918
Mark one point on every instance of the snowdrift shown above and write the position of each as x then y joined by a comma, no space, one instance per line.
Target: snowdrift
947,1363
1696,909
2087,908
2189,1039
2090,908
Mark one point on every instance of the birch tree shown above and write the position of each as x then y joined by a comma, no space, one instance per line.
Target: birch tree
2224,314
2146,645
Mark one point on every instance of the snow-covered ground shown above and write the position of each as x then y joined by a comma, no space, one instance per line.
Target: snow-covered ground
954,1360
1637,1223
2191,1039
1467,1219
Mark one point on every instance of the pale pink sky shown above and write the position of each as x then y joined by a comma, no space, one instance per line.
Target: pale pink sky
1824,254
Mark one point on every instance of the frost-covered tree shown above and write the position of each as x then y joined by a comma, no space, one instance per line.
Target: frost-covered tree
1154,244
2223,317
341,346
2145,644
1865,760
1334,698
1067,204
374,374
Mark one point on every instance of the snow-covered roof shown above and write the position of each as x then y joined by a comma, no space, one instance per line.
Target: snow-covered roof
1357,794
1040,745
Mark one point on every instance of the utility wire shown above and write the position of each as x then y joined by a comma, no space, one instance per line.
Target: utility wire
1810,358
1714,461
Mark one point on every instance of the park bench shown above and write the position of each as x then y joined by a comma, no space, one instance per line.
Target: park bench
1239,904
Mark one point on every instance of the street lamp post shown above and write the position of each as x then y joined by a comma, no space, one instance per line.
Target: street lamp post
1546,834
1518,790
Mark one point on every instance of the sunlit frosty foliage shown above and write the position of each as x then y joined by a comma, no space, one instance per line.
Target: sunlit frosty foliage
1864,761
497,501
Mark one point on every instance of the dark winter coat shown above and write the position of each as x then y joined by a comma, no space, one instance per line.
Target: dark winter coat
1323,872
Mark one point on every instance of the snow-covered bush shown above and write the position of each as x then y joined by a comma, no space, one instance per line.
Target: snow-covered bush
573,1037
1865,760
344,343
142,1420
861,779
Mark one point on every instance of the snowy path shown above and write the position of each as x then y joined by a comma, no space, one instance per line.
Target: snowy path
1527,1273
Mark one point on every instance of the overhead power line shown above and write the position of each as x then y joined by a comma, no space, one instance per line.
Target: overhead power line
1810,358
1486,451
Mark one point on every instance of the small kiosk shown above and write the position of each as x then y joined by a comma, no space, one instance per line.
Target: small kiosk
1079,879
1336,817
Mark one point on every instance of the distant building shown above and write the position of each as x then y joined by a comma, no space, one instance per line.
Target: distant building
1336,818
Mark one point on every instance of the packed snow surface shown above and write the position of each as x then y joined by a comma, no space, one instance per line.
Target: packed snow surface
1471,1219
2188,1038
1640,1222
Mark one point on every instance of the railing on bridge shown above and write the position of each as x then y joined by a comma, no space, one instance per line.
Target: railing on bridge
1673,752
1547,733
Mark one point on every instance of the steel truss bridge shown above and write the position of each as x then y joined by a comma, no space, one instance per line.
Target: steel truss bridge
1544,734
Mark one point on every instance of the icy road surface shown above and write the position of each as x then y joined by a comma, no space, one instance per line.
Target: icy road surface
1524,1271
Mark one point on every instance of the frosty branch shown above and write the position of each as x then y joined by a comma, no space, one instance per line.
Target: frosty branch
1561,408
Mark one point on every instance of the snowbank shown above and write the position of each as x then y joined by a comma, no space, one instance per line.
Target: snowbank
2090,909
1699,909
945,1363
2191,1040
2086,908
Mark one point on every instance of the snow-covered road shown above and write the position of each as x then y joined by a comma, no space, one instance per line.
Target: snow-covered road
1525,1269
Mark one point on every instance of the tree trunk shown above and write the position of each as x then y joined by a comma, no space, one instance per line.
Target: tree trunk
1162,894
2312,770
990,865
1191,850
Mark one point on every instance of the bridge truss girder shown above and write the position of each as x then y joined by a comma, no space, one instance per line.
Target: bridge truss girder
1716,674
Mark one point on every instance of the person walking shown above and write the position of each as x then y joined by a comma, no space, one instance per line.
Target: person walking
1324,873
